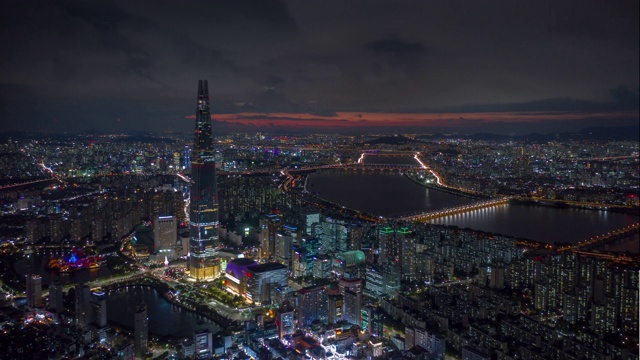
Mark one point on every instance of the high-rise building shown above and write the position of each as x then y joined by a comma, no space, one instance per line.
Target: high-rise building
83,302
371,320
165,232
34,290
141,330
299,265
309,220
269,225
283,243
352,306
408,257
99,308
203,210
312,304
374,281
321,266
55,296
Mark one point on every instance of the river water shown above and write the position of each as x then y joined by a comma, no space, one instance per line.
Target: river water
385,194
390,194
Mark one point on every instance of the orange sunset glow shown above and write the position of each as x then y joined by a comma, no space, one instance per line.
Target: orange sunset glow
342,120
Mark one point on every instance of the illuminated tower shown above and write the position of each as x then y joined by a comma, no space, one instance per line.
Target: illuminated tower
203,211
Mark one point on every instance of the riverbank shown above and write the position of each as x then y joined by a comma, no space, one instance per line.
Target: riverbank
449,190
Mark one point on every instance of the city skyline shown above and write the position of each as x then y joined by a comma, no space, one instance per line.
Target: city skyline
343,67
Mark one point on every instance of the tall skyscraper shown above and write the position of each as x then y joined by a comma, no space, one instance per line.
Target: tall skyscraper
34,290
141,331
203,211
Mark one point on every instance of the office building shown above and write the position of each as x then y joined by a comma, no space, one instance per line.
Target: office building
203,341
269,226
267,283
321,266
336,308
285,323
371,320
299,264
34,290
83,305
99,309
310,219
56,296
352,306
312,304
165,231
283,242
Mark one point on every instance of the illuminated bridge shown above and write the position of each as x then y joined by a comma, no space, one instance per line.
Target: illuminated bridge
605,239
427,216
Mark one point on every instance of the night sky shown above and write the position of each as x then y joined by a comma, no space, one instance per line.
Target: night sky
467,66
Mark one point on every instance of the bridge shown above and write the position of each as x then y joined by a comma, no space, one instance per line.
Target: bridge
431,215
604,239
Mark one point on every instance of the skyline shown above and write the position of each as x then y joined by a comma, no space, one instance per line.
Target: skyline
299,66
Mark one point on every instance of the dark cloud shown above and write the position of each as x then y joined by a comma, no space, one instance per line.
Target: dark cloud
625,98
395,47
140,60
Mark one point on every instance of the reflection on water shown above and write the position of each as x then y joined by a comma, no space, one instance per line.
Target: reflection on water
380,193
36,264
164,317
540,223
390,194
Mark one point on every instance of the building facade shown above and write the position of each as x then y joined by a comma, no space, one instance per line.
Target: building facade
165,232
203,208
265,282
141,331
34,290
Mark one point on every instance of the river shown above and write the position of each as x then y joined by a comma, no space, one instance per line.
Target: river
380,193
390,194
